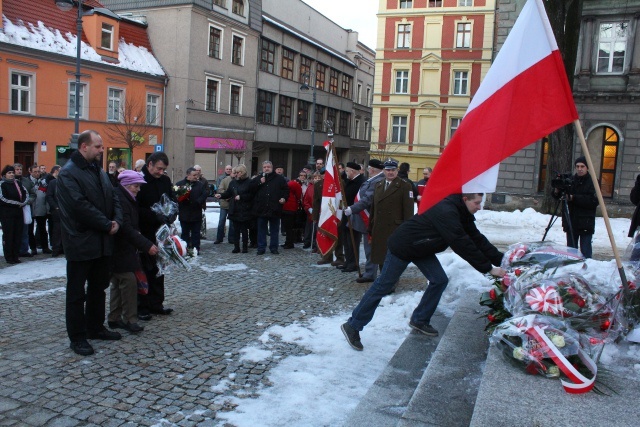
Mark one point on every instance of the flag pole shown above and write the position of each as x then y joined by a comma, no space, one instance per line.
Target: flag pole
603,208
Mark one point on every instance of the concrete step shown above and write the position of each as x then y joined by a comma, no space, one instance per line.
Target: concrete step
447,391
389,396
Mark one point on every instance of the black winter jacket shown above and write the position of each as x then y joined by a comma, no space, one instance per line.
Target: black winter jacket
582,209
88,204
266,196
448,223
128,240
239,210
149,194
634,196
190,210
12,201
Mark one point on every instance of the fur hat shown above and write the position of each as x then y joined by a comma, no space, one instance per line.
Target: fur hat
131,177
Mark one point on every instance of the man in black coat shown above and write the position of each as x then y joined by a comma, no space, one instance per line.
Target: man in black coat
90,215
271,192
582,202
351,247
450,223
150,193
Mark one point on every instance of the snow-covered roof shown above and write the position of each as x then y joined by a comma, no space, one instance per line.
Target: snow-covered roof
41,37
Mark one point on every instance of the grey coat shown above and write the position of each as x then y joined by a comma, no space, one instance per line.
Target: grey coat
365,199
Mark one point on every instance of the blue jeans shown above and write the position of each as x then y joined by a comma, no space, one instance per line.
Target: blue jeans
391,271
221,224
273,224
191,233
585,243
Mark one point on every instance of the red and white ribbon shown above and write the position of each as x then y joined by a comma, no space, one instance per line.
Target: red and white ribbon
544,298
580,383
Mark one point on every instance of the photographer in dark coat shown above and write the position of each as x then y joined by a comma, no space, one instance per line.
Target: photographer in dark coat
270,193
582,202
634,196
90,215
150,193
450,223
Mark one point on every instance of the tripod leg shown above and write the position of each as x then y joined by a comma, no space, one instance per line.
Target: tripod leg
567,218
552,220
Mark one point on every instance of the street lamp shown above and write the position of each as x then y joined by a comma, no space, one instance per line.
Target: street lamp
65,6
305,86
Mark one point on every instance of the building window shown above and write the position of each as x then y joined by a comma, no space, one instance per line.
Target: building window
285,113
463,3
319,118
344,123
406,4
303,114
460,82
21,92
359,93
237,7
237,50
221,3
153,109
402,81
332,114
463,34
235,104
265,107
114,112
267,56
321,71
612,46
356,129
455,124
404,35
212,100
346,86
333,81
215,42
544,157
82,113
305,69
399,129
106,40
368,101
435,3
288,57
367,129
609,161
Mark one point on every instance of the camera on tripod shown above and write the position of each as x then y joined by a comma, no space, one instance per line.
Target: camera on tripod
562,182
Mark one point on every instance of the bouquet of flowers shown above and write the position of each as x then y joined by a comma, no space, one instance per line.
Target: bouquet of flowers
543,345
166,209
183,192
494,299
545,254
171,250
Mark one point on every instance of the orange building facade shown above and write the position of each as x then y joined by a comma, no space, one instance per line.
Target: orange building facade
121,85
431,56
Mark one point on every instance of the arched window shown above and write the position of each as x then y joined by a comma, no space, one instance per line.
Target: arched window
608,162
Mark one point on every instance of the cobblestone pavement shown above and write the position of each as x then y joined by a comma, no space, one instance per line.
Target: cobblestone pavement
168,374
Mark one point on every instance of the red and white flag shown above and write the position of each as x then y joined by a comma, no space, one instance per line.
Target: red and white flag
330,209
524,97
364,213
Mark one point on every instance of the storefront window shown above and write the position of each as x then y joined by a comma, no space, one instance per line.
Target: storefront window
122,157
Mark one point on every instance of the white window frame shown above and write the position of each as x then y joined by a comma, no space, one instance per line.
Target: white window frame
155,105
233,36
236,84
31,90
110,32
401,127
206,93
612,41
233,8
111,108
402,79
405,4
368,103
465,3
84,100
359,93
403,40
463,38
367,129
221,52
460,84
356,128
454,124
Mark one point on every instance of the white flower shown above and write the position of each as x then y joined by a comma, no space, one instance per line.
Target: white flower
519,353
553,371
558,340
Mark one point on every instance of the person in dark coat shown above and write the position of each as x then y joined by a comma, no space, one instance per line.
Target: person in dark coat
351,237
450,223
634,196
190,209
90,215
157,184
582,202
270,193
13,196
240,198
54,231
129,241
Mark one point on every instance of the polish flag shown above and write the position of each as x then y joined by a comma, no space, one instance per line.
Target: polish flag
364,214
330,209
524,97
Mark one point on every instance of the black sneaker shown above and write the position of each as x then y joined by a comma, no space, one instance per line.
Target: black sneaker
426,329
144,316
82,347
105,335
134,328
352,336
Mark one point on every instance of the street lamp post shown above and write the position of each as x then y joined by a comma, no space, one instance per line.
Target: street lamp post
305,86
65,6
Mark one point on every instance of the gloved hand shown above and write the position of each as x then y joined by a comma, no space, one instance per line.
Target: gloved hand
310,210
347,211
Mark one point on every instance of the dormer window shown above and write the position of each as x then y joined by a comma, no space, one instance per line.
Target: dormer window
106,40
237,7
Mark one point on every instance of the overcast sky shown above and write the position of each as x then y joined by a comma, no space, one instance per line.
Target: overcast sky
357,15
